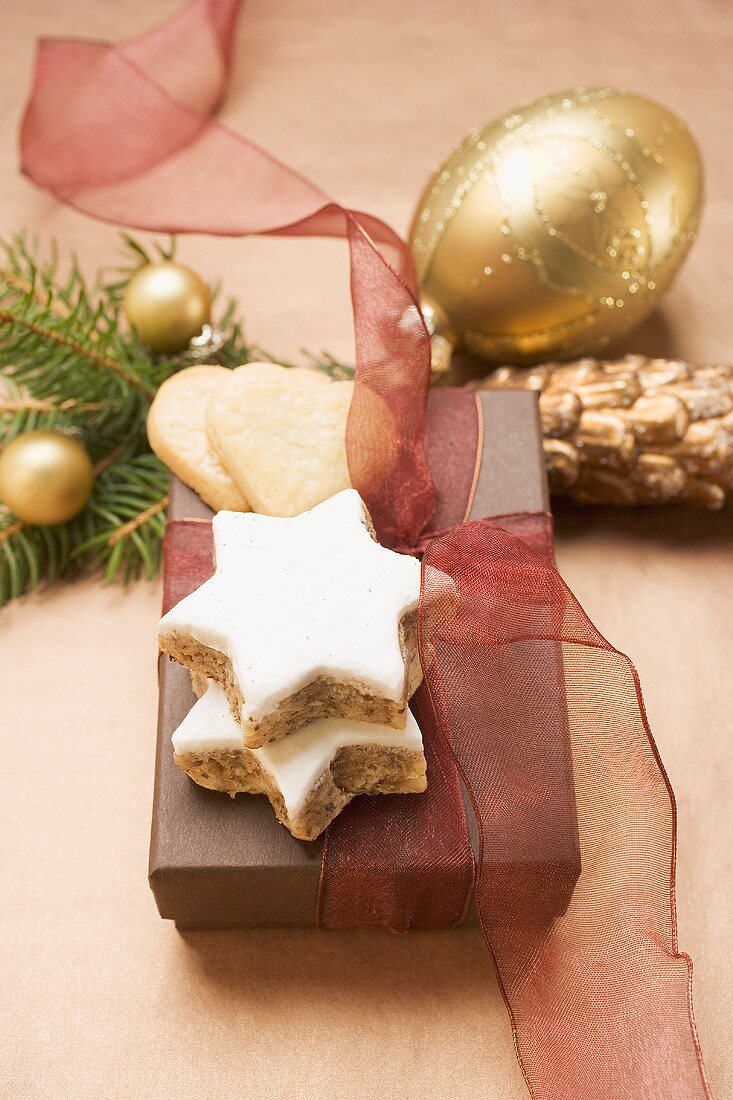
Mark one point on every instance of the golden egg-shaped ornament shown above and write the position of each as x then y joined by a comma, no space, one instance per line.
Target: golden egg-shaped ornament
550,232
167,304
46,477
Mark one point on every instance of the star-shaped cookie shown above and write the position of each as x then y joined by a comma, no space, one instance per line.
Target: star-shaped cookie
309,776
304,618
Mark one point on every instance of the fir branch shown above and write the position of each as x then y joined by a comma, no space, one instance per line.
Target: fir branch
12,529
331,366
29,555
48,333
61,343
47,405
19,283
127,513
325,362
137,521
67,361
120,532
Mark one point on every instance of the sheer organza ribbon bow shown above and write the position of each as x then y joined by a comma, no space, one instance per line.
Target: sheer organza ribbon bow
573,883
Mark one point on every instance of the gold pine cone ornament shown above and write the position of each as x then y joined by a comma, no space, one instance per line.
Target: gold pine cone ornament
555,229
633,430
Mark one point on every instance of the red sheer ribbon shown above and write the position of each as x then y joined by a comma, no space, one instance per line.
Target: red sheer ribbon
542,718
188,553
106,138
576,820
404,862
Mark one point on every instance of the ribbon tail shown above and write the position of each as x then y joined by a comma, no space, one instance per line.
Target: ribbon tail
576,820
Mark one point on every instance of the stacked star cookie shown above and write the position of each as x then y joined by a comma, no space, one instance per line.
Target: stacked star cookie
304,647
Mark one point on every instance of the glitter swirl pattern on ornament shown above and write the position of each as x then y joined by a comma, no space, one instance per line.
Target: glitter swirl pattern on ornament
554,230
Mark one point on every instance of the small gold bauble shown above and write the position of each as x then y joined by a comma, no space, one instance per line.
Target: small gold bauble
167,305
46,477
552,231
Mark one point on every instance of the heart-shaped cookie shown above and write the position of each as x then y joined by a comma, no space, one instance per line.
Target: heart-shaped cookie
177,435
282,439
177,429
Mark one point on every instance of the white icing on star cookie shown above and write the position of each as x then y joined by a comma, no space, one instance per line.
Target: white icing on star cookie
301,620
294,766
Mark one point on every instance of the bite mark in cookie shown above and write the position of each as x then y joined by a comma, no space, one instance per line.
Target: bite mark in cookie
304,618
308,777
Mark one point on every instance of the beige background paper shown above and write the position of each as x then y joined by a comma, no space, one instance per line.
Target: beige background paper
101,998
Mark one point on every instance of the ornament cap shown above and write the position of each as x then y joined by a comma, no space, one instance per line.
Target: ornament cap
441,353
210,340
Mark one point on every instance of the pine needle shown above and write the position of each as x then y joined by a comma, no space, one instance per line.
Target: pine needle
67,361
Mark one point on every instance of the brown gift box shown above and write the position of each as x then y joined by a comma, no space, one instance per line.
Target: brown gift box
221,862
